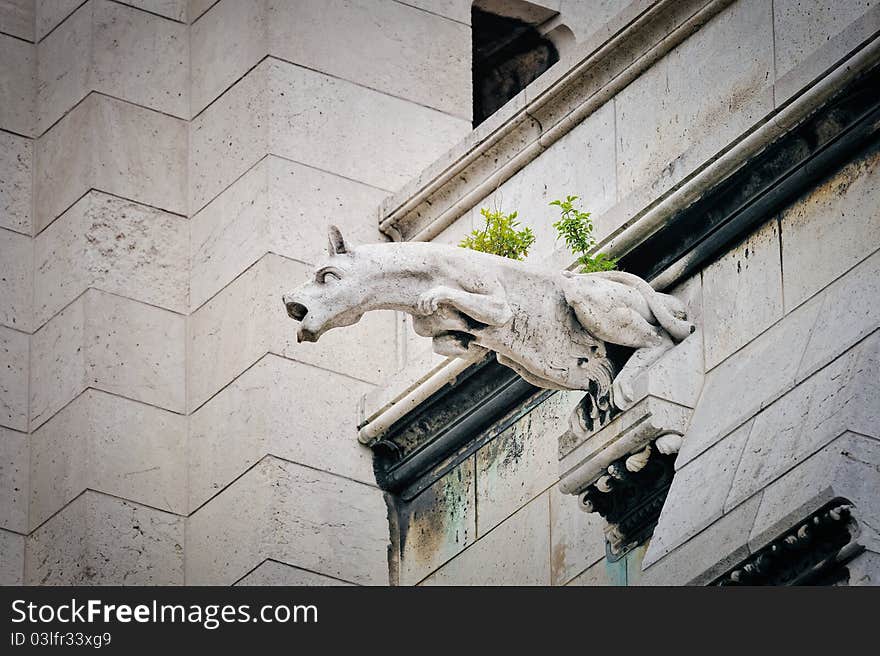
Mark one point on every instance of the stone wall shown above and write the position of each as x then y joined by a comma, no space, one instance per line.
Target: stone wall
787,418
167,171
791,331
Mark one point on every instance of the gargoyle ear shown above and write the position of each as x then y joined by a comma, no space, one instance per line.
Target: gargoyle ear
337,243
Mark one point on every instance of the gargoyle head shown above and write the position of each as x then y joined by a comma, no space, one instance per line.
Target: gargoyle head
338,294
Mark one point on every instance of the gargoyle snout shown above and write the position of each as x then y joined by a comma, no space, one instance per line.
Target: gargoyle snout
295,310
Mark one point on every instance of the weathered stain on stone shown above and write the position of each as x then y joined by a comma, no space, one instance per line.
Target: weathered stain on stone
558,561
440,521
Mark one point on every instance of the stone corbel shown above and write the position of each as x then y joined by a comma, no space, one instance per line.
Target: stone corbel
620,463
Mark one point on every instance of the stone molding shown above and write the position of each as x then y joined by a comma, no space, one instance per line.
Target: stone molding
810,551
542,114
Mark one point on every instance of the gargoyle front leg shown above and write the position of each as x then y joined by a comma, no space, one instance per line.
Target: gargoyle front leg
490,309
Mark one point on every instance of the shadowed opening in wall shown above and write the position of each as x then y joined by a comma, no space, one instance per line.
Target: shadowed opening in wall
508,54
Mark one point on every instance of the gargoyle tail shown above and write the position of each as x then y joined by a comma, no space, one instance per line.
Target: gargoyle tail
677,328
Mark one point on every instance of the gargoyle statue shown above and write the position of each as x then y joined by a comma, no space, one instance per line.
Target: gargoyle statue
551,327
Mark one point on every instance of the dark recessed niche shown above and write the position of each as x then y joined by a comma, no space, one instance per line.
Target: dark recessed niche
508,54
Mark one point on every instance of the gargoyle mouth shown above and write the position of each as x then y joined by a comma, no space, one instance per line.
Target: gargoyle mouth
296,311
304,335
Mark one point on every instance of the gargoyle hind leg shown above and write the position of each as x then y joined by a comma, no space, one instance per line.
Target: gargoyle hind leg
605,317
622,387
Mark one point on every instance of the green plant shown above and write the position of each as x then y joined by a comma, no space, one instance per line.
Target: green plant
500,236
576,228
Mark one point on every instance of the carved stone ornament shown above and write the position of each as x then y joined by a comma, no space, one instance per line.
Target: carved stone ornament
610,334
809,553
630,495
552,327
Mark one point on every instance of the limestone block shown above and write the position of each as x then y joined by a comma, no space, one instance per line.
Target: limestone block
849,197
677,376
195,8
520,463
586,18
141,57
742,294
115,147
16,280
110,343
438,524
281,108
580,164
50,13
577,539
305,201
14,471
13,379
516,552
281,207
271,572
16,182
225,44
247,319
173,9
387,46
17,85
102,540
849,468
64,66
231,135
811,37
57,362
694,101
17,18
842,396
594,576
109,444
11,558
864,569
305,517
229,234
849,313
457,10
696,497
114,245
705,556
279,407
117,50
135,350
755,376
64,163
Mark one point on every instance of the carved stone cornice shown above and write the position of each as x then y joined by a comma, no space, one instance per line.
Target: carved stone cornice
585,457
630,496
542,114
802,555
665,396
622,468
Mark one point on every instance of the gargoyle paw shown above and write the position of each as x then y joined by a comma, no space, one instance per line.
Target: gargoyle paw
429,301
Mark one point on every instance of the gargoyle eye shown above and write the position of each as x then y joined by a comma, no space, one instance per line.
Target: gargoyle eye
328,274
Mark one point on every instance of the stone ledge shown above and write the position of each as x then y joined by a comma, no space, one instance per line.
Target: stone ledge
596,72
846,468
